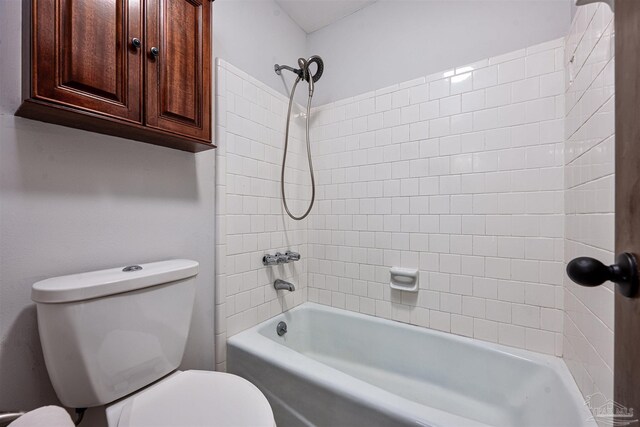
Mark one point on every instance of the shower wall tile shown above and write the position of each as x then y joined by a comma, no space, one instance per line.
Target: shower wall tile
459,175
250,124
488,178
589,194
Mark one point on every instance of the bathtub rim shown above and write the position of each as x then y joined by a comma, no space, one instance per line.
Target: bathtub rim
255,343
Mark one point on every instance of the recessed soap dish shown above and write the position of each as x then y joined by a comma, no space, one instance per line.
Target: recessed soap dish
404,279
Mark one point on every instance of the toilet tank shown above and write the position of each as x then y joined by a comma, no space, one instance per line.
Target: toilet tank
108,333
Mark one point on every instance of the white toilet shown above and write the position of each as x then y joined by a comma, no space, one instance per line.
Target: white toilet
116,337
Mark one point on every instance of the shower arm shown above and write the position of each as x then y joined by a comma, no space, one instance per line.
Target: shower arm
278,69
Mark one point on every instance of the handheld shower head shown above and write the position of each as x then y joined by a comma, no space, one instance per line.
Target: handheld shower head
305,65
315,59
303,72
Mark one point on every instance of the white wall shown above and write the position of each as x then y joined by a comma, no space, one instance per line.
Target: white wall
399,40
590,194
73,201
253,35
459,177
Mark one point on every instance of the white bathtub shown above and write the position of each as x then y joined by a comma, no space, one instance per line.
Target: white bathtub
338,368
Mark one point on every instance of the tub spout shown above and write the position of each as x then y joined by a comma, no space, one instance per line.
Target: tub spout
282,284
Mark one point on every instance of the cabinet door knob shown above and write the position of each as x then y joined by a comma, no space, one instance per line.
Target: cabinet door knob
591,272
155,52
135,42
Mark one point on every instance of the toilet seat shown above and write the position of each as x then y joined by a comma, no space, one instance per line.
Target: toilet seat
194,398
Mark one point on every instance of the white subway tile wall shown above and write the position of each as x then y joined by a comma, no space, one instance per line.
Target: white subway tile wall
459,174
589,194
485,177
250,125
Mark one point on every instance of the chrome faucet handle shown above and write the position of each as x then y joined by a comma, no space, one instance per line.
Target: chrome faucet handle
269,260
292,256
281,258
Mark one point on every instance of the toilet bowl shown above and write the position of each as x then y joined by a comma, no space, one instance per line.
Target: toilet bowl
194,398
116,338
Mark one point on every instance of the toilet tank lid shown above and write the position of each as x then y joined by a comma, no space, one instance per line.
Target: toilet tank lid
83,286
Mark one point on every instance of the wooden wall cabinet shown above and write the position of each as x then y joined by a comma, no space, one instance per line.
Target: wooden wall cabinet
138,69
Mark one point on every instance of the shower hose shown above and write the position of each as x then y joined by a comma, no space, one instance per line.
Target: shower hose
284,156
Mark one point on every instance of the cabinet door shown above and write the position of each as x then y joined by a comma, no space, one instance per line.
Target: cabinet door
83,56
178,69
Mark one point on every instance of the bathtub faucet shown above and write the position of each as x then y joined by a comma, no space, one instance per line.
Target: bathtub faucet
282,284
